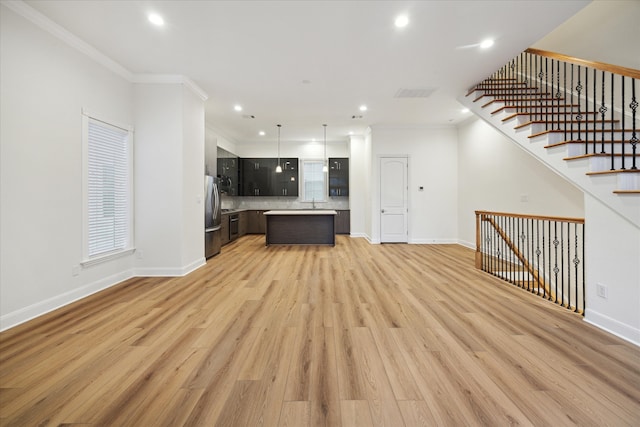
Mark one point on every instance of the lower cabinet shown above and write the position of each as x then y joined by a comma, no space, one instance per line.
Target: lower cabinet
256,222
343,222
224,229
243,220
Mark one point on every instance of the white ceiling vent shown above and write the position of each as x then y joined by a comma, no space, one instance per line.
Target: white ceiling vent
414,93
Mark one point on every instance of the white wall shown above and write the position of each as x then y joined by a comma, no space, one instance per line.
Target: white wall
433,165
359,163
44,85
193,189
613,35
612,258
169,176
495,174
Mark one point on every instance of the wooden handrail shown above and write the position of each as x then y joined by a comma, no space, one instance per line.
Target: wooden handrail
616,69
542,217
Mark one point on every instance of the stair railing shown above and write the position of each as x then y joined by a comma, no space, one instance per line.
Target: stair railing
541,254
587,102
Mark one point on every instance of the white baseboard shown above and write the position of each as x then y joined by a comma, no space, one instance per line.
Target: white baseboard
619,329
170,272
25,314
470,245
433,241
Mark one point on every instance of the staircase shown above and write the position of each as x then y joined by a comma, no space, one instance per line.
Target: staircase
579,118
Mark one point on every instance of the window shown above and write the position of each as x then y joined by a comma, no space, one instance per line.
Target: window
313,180
107,189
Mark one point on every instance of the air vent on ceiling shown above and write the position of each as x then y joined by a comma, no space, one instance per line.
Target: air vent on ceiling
414,93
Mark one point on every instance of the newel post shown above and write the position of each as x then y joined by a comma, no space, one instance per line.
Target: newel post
478,252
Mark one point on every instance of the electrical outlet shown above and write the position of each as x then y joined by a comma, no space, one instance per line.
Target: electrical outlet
602,290
139,254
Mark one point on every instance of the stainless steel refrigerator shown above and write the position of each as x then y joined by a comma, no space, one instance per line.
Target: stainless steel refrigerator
212,217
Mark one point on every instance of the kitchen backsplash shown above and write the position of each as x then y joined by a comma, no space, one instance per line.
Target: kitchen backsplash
266,203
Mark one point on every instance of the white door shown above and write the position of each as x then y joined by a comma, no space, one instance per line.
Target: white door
393,200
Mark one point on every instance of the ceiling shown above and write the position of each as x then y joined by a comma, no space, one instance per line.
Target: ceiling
306,63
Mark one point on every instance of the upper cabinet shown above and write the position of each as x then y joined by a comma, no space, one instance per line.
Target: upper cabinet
258,177
228,169
287,180
338,177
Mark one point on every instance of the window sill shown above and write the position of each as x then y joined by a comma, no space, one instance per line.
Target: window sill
107,257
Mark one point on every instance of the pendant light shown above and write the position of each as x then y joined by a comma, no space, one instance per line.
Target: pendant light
325,168
279,168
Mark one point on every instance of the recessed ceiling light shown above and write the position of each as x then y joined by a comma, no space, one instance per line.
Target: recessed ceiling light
465,110
350,132
401,21
261,133
313,140
363,108
156,19
237,107
486,44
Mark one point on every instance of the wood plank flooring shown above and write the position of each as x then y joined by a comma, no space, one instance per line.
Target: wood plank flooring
351,335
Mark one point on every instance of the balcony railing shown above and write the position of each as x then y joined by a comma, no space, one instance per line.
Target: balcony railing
543,255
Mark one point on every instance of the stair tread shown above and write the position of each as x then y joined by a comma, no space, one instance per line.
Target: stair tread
590,142
521,100
555,122
609,172
626,191
590,131
586,156
553,114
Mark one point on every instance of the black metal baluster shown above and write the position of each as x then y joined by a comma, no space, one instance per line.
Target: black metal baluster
548,272
634,138
561,264
603,110
595,112
579,116
558,96
538,252
546,89
622,93
586,110
565,101
556,242
584,280
576,261
612,122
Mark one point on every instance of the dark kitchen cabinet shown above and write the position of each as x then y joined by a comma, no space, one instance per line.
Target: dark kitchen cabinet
258,177
228,172
286,182
243,219
256,222
224,229
338,177
343,222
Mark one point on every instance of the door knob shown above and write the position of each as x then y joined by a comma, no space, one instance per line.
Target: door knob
382,211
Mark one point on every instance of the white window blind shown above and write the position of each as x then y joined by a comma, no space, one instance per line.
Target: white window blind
108,189
314,181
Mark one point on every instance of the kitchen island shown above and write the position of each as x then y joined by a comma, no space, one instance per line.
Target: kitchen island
301,227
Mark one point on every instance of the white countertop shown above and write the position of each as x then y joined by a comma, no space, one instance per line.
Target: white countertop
303,212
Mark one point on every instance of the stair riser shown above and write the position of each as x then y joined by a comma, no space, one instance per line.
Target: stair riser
598,164
541,127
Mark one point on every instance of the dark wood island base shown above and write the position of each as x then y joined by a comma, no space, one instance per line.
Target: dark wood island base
302,227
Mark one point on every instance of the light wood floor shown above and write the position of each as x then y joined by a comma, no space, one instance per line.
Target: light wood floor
355,334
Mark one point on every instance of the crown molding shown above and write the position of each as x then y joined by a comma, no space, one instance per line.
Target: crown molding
43,22
170,79
37,18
